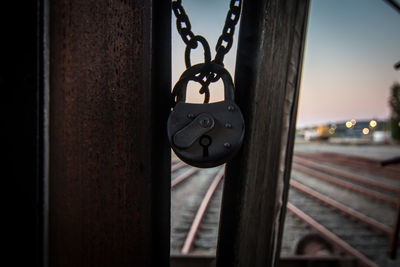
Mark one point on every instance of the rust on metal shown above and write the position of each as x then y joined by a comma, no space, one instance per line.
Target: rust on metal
183,176
352,177
200,212
178,166
330,236
346,185
375,225
361,164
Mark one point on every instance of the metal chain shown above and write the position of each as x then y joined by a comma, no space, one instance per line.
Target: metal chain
224,42
223,46
183,24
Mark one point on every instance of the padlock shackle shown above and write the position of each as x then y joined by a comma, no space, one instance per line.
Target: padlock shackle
191,74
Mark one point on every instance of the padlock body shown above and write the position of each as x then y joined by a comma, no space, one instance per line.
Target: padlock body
226,136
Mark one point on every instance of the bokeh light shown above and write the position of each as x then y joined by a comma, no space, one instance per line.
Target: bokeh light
373,123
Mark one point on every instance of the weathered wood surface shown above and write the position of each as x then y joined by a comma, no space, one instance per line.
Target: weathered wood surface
267,79
109,155
394,238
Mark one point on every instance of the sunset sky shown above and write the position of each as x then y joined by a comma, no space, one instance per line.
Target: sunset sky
351,48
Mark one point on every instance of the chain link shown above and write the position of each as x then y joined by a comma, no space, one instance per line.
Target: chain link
183,24
225,41
191,40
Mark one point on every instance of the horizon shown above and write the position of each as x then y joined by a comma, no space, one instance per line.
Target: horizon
350,50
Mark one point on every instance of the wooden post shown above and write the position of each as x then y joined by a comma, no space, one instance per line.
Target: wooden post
109,154
267,78
394,237
21,149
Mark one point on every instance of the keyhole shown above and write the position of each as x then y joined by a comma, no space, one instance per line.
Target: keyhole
205,142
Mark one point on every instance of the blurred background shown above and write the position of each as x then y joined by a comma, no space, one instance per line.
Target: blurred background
348,69
345,172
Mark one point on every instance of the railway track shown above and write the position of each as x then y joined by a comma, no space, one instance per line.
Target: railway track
353,211
196,202
361,165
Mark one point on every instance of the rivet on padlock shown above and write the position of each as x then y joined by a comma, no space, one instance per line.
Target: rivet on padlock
205,135
185,137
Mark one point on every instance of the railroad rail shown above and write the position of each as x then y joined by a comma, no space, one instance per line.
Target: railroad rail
330,236
359,164
371,194
349,176
191,230
354,224
201,211
350,186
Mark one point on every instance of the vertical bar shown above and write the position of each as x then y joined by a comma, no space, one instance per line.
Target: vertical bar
161,152
18,83
394,238
42,157
109,155
267,81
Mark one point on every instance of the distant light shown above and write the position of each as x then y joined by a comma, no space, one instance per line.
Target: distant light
353,122
398,124
365,131
373,123
397,67
348,124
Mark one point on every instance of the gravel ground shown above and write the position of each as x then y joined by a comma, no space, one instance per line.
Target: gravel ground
372,245
185,200
364,204
294,230
362,173
207,237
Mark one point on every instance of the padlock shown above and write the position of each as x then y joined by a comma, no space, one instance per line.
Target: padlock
209,134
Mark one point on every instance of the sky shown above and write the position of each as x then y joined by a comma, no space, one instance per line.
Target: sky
351,47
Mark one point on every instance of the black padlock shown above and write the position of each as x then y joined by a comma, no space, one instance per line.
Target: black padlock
209,134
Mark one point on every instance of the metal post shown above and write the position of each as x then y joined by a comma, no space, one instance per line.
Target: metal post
267,78
109,155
